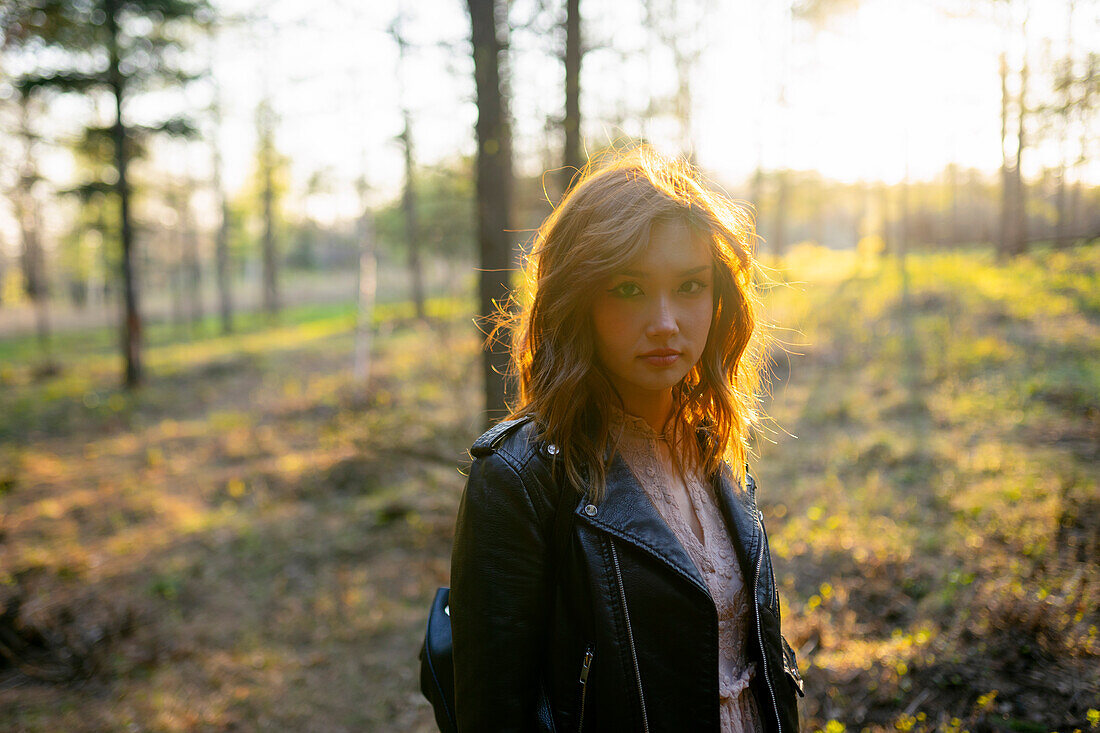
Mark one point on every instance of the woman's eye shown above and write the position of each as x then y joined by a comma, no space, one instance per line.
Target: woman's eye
693,286
626,290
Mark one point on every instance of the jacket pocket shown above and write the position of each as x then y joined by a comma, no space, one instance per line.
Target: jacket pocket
790,666
586,666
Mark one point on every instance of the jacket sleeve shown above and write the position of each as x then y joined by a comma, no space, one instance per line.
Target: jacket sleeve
499,599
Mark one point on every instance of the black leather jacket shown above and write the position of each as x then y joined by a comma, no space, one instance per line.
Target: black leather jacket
625,638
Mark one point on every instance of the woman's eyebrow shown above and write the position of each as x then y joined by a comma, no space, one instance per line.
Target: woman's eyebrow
682,273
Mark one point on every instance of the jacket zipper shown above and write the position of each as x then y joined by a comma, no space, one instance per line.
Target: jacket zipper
585,666
630,634
760,633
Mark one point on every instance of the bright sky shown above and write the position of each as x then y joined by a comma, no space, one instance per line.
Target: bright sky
896,85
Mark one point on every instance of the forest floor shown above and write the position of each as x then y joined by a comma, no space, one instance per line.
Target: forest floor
251,540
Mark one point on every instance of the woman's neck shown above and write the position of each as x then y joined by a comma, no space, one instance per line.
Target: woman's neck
655,409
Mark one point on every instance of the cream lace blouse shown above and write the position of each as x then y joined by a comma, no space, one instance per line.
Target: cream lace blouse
647,454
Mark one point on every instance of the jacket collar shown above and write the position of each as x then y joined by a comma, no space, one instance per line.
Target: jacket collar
627,513
738,506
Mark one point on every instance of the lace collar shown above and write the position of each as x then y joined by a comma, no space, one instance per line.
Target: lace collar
637,426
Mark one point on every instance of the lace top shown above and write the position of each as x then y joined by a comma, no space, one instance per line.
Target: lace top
647,454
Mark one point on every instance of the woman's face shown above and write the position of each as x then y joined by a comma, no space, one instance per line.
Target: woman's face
652,319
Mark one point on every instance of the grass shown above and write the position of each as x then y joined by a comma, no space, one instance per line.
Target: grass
251,539
941,486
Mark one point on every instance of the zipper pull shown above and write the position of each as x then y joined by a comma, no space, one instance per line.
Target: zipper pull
585,666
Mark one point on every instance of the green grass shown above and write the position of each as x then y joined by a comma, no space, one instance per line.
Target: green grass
276,530
943,477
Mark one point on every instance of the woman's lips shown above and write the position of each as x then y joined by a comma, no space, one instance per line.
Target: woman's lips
660,357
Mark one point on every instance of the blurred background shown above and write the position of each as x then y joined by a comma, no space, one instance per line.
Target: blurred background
244,248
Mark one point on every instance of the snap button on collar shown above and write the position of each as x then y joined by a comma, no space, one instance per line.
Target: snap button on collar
552,449
590,510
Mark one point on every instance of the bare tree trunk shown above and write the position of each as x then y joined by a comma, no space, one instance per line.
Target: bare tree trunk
1018,244
408,196
779,218
572,158
35,282
412,232
221,237
1066,83
817,191
174,237
756,195
1005,234
953,192
685,55
265,122
192,269
494,185
368,280
859,230
1079,227
1060,199
132,326
884,217
904,229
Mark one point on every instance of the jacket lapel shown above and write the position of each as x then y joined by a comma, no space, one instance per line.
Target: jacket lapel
627,513
739,510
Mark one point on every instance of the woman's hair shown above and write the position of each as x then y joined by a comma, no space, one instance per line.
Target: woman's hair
603,223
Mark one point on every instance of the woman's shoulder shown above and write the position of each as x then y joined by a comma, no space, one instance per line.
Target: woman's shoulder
517,442
511,460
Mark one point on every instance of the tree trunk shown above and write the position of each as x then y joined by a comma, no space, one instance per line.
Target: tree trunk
192,265
494,186
1079,225
572,158
174,240
884,219
779,225
132,327
756,196
35,282
1005,233
1018,244
904,229
368,280
953,192
817,190
266,123
221,237
408,205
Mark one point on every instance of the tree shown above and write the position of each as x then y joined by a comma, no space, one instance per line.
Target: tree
573,158
409,194
121,47
444,213
267,161
27,212
494,183
221,237
367,289
678,25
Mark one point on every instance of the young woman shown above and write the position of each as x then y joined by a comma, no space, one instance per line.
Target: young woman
648,603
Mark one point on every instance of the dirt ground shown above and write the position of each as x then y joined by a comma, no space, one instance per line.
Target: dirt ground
247,543
251,541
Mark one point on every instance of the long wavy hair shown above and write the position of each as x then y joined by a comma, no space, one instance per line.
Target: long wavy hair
602,224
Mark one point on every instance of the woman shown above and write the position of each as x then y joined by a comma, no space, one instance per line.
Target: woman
637,355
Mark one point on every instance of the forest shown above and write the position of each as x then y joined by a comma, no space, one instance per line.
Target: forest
246,255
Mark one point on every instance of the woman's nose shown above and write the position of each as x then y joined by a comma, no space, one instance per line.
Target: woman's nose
662,320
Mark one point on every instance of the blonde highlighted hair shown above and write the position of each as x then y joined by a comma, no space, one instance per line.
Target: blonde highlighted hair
602,224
